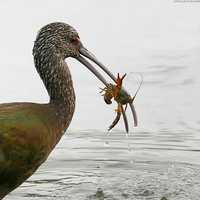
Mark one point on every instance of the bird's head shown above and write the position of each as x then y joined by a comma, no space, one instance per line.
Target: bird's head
60,41
64,40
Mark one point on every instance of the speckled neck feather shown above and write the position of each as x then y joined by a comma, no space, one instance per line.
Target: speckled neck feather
54,72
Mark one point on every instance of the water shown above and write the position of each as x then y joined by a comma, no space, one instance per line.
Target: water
158,160
146,165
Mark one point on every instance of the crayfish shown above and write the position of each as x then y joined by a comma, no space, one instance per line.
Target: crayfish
116,92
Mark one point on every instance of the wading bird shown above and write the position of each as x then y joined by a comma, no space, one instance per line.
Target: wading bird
30,131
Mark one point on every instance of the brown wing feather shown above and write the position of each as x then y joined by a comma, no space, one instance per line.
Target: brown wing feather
27,135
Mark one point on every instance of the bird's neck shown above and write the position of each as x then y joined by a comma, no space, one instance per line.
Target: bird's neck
56,76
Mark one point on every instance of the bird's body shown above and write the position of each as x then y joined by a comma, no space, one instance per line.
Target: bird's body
30,131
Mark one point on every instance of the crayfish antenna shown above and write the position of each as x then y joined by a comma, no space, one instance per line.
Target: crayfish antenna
131,103
140,84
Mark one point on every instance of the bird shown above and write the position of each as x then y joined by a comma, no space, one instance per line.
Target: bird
30,131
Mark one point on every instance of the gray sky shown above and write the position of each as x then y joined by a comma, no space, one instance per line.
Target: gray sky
126,35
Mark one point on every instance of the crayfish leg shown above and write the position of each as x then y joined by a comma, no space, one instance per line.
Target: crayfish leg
125,118
125,107
117,118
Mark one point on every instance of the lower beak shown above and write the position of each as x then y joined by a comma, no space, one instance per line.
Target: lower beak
90,56
82,60
84,52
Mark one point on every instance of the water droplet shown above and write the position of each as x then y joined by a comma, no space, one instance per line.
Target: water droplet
131,162
127,135
108,132
106,143
129,147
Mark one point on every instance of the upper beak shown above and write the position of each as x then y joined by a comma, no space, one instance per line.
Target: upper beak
84,52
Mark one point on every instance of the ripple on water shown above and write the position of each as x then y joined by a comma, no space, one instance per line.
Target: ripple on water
141,166
142,180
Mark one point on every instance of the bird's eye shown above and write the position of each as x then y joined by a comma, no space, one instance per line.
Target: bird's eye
75,41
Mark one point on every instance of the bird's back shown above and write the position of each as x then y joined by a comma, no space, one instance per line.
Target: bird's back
27,135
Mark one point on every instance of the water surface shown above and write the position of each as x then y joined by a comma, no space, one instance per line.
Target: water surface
93,165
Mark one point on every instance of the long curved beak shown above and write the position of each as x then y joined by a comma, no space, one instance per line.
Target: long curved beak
84,52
